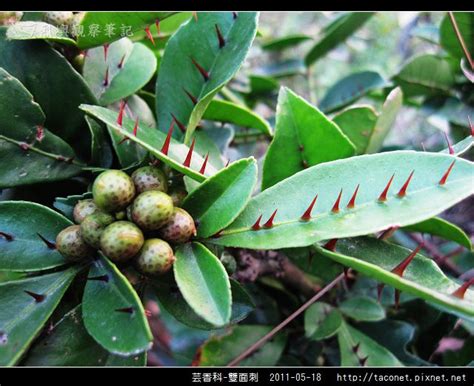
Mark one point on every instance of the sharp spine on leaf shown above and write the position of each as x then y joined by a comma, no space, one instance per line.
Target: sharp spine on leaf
204,164
363,361
351,203
400,268
106,50
355,348
218,234
120,113
269,222
450,148
179,123
235,15
39,133
157,23
306,216
191,96
220,37
7,236
149,35
304,163
187,161
135,128
383,195
48,243
335,207
471,126
227,163
461,291
397,298
106,78
257,226
120,65
104,278
331,245
202,71
387,233
195,15
25,146
38,297
403,190
126,310
379,291
443,179
166,145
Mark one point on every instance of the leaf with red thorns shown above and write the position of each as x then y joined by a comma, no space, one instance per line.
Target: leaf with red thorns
191,96
166,145
104,278
106,50
403,190
220,38
450,148
39,133
48,243
331,245
135,128
120,65
400,268
335,207
443,179
38,297
306,216
120,113
105,83
187,161
461,291
204,164
201,70
256,226
126,310
149,35
7,236
269,222
383,195
179,123
351,203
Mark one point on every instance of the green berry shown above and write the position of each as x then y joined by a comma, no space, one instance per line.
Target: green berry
121,240
93,226
152,209
70,244
180,228
83,209
149,178
178,195
155,257
113,190
58,18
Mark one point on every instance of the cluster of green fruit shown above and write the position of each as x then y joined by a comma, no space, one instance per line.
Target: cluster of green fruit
124,210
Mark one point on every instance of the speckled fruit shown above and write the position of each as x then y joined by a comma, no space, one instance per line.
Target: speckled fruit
121,240
155,257
113,190
149,178
70,244
152,209
178,195
58,18
180,228
83,209
93,226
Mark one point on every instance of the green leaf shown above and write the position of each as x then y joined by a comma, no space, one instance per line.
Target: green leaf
448,38
422,278
112,311
129,66
220,199
301,128
30,30
425,198
24,222
351,88
285,42
22,317
66,204
321,321
198,40
362,308
204,283
101,152
334,34
220,350
426,75
123,23
223,111
152,140
20,117
377,355
262,84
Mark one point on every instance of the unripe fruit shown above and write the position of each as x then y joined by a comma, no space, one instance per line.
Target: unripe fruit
180,228
113,190
93,226
121,240
178,195
83,209
152,209
58,18
70,244
149,178
156,257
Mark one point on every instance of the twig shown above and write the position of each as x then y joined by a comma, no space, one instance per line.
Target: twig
295,314
461,40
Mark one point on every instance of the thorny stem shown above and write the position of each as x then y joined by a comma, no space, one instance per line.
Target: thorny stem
295,314
461,40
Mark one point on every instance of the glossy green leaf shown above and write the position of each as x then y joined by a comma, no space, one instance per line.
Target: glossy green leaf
300,129
124,23
262,84
22,317
31,30
66,204
349,89
362,308
224,111
204,283
285,42
198,40
425,198
220,350
101,152
447,36
334,34
152,140
113,313
26,251
321,321
220,199
377,355
422,278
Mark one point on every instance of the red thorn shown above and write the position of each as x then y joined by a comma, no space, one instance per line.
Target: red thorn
363,361
235,15
351,203
397,298
126,310
307,214
461,291
135,128
195,15
48,243
269,222
400,268
202,71
204,164
383,195
149,35
120,65
257,226
380,288
148,313
227,163
104,278
217,234
450,148
180,124
24,146
471,126
335,208
191,96
38,297
157,23
300,147
443,179
387,233
331,245
39,133
106,78
7,236
106,50
220,37
403,190
355,348
346,272
304,163
124,139
166,144
120,113
187,161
